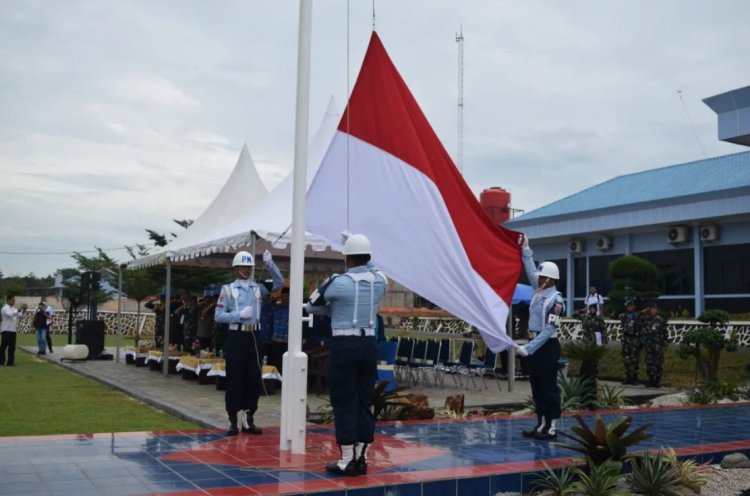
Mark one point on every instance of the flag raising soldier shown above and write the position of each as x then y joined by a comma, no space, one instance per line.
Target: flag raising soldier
543,351
655,340
352,300
594,327
239,306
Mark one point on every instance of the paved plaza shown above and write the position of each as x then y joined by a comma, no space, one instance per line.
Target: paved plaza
477,456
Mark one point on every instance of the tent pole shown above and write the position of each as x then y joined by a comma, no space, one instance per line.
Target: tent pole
511,351
294,389
119,313
167,307
252,250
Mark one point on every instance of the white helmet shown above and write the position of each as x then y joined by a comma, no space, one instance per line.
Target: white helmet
549,269
357,244
243,259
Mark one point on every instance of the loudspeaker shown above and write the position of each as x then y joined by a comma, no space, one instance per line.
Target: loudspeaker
91,333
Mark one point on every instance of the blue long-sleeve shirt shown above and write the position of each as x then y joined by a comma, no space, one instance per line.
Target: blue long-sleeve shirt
339,296
238,295
547,306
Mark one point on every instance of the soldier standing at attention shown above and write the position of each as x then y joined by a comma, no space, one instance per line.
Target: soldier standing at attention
239,306
593,327
655,341
631,342
352,300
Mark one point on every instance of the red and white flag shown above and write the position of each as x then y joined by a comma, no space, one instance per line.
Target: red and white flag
386,175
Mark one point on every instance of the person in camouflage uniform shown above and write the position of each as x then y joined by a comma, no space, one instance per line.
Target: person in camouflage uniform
631,343
592,323
655,339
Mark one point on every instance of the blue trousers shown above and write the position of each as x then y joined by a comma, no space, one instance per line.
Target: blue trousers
41,339
352,376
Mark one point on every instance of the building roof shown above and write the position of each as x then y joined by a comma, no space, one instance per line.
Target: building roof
676,181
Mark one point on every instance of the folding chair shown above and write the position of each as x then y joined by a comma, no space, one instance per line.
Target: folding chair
487,367
403,356
386,363
429,362
417,360
464,362
443,366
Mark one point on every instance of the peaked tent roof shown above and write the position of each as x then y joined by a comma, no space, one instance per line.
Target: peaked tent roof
242,190
269,215
702,177
271,218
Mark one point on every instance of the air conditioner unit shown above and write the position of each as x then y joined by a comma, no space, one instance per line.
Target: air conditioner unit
709,233
576,246
677,234
604,242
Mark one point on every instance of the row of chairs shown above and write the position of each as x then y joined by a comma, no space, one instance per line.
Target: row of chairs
429,361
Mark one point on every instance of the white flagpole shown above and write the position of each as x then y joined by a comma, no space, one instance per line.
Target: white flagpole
294,387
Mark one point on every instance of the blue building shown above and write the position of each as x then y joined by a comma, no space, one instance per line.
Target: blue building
691,220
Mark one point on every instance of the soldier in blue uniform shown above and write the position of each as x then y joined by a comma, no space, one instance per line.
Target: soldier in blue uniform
239,307
352,300
543,351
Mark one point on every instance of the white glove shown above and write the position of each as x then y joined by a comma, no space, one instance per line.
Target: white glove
525,243
246,312
267,257
521,350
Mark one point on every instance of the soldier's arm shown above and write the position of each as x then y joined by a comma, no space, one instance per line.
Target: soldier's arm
222,314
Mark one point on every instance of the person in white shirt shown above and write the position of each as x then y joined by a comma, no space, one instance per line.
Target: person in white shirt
594,299
10,321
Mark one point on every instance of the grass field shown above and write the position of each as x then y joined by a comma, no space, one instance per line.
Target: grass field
677,372
39,397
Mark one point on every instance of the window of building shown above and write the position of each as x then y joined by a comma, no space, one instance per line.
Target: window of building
727,269
676,271
599,273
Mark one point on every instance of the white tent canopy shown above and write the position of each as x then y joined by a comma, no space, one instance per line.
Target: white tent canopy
268,215
242,191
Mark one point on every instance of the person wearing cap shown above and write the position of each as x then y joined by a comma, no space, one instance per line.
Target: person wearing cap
631,342
655,338
543,351
352,300
239,307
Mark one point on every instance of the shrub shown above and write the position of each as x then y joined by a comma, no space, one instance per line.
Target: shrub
555,483
589,354
610,397
387,404
577,393
693,475
600,480
654,475
605,442
705,344
711,392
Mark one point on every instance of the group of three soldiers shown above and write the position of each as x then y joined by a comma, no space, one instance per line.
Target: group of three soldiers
645,330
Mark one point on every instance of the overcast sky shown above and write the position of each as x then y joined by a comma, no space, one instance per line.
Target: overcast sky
120,116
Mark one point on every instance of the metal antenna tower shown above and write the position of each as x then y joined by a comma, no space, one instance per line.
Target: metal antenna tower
460,151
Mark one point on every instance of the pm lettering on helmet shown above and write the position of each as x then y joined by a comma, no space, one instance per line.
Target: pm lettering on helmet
246,259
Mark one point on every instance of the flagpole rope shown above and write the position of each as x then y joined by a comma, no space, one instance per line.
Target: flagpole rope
373,15
348,112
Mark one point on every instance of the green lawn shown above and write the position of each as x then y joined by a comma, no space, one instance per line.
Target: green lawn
677,372
39,397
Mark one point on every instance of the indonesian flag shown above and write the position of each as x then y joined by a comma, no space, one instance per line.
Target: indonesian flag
387,176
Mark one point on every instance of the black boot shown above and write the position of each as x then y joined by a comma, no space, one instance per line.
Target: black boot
232,431
359,454
347,465
248,426
532,432
549,433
